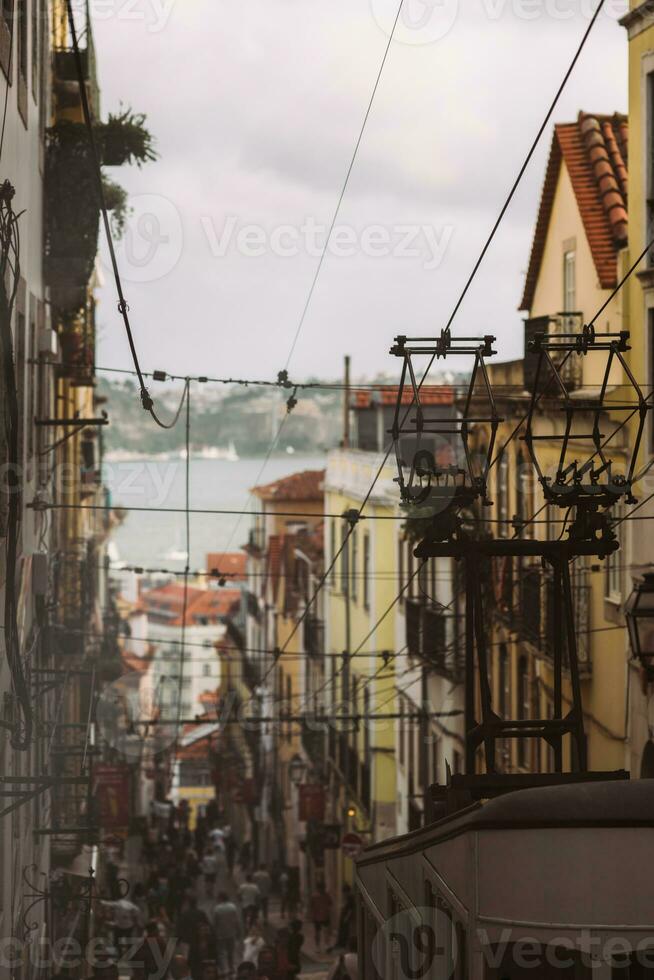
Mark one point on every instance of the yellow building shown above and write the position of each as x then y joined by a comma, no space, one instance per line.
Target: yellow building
639,320
285,546
579,238
361,752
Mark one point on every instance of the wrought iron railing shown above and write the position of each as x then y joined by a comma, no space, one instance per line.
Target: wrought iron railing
572,371
314,636
427,638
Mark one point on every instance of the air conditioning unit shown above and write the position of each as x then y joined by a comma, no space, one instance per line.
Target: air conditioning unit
48,345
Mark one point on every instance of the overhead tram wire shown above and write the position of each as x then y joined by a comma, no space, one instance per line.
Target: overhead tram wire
323,254
469,281
348,174
300,385
123,307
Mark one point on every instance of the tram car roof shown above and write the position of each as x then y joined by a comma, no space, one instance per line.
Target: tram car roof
548,862
608,804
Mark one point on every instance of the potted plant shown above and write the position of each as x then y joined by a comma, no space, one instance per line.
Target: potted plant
123,138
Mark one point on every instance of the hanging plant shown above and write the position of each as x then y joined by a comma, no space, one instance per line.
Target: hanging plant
116,198
123,138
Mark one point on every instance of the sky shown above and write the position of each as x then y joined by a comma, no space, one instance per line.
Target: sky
256,106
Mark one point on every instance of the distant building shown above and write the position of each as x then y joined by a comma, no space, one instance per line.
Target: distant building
156,626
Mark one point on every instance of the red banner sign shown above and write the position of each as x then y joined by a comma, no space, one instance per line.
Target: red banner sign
312,802
112,793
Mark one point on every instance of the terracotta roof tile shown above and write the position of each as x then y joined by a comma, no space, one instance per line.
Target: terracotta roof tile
595,151
307,485
211,604
429,395
233,564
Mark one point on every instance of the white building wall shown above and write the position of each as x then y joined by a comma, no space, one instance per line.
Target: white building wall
20,164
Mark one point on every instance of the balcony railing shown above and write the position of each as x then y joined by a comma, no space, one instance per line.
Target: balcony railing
314,636
559,323
426,638
540,625
77,339
530,604
313,742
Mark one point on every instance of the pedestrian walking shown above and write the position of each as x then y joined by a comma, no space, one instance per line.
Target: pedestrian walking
190,922
209,868
320,911
253,944
250,899
228,930
263,881
151,959
245,856
126,919
284,883
294,946
203,951
230,851
179,968
346,920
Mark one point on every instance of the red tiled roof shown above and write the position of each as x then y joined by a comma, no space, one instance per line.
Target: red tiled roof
138,665
307,485
429,395
595,151
210,604
233,564
210,698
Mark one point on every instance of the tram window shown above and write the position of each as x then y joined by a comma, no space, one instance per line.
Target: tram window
639,967
529,961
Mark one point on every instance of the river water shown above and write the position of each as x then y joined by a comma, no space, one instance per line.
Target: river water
153,538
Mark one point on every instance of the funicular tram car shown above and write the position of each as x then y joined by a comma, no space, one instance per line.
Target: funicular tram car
548,882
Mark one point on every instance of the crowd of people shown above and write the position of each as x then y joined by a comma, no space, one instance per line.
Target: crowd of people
200,910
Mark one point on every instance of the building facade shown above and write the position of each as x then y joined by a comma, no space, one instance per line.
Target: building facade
577,251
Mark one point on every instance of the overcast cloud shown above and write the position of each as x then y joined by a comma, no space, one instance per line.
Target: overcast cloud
256,106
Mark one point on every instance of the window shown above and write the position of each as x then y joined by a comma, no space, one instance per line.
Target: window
650,373
354,588
289,707
332,551
6,30
402,743
502,494
35,50
569,282
523,706
22,36
650,163
524,492
345,572
206,670
503,694
614,577
366,571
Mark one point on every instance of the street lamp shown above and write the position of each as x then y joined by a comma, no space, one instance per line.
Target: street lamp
639,613
296,770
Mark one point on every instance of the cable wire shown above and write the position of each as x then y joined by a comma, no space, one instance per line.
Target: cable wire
344,187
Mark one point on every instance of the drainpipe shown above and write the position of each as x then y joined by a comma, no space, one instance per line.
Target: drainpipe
346,404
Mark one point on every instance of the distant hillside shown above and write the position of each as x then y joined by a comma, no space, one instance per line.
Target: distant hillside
246,417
